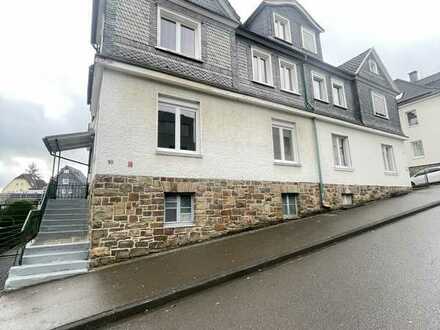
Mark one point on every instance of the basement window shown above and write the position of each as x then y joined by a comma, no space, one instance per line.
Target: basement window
347,199
179,210
290,205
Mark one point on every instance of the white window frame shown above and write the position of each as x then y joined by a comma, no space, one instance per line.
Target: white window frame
282,125
407,119
295,196
347,199
65,181
179,106
179,223
313,34
339,83
389,164
377,114
373,66
295,80
414,150
180,20
278,19
324,80
337,157
268,57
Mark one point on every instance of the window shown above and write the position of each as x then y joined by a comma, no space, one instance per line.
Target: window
66,171
282,28
413,120
179,34
347,199
319,87
341,150
339,98
178,126
290,205
373,66
262,67
388,158
309,40
418,150
289,76
65,181
379,105
284,142
179,210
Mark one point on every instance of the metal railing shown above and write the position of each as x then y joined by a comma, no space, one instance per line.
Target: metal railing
16,235
71,191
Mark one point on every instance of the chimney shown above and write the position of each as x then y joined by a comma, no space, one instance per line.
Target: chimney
413,76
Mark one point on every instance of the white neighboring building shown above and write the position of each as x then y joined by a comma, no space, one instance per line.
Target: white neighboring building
419,108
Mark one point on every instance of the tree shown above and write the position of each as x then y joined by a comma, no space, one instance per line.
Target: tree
33,170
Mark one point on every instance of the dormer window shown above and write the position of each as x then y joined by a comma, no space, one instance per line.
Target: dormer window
319,87
282,28
309,40
179,34
262,67
339,98
373,66
380,105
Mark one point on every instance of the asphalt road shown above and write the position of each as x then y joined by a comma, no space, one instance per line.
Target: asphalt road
385,279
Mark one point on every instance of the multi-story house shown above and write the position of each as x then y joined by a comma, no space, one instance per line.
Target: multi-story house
205,126
71,183
419,106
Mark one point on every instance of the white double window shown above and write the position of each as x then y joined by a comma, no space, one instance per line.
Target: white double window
339,96
418,149
285,147
282,28
179,210
289,77
262,67
341,151
380,107
319,87
373,66
178,126
179,34
389,159
309,40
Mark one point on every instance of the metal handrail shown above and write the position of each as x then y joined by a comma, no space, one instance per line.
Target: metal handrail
31,225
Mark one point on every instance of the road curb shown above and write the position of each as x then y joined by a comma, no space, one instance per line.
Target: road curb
155,302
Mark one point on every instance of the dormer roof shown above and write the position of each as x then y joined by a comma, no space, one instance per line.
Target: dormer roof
293,3
220,7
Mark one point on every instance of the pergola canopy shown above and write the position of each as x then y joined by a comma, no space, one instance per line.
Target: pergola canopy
65,142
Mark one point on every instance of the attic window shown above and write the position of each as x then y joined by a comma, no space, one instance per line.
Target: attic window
380,105
309,40
373,66
282,28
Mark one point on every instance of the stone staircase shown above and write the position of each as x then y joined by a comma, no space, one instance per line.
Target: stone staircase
61,248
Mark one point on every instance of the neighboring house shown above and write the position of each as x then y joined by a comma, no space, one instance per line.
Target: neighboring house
204,126
24,183
419,107
71,183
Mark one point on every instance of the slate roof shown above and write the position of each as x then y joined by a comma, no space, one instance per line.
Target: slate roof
79,176
221,7
34,182
432,81
355,63
412,91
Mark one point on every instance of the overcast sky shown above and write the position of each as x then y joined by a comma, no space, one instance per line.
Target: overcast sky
46,53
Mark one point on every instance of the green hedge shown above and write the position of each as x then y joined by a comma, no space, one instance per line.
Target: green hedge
15,214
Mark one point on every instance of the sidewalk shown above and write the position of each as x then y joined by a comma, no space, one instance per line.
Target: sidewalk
7,260
151,281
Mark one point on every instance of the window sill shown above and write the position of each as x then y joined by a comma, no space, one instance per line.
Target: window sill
389,173
263,84
178,225
285,163
290,217
290,92
341,107
196,59
166,152
323,101
419,157
381,117
289,42
344,169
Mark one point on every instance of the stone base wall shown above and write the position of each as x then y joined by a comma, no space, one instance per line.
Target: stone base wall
127,213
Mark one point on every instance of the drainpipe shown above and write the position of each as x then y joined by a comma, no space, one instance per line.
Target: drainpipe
309,107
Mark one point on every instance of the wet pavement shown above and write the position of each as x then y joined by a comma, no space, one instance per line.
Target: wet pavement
385,279
101,292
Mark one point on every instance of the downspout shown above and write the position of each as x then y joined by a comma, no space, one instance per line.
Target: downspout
309,107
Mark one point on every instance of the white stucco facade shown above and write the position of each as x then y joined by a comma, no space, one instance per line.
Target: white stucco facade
427,130
235,139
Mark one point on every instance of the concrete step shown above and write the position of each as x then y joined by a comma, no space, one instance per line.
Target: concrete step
61,228
56,248
56,235
61,222
55,257
67,211
27,270
65,216
17,282
74,203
